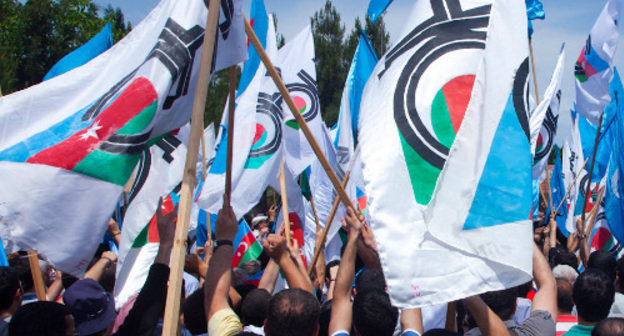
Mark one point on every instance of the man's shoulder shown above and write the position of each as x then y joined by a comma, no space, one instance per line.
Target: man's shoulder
540,322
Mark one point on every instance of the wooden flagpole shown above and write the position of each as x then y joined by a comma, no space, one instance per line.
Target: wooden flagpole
230,134
171,319
569,189
594,213
316,219
332,213
35,270
293,108
320,246
591,168
285,213
537,97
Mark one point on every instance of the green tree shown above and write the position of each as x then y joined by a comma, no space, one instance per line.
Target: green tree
376,33
116,17
36,34
330,70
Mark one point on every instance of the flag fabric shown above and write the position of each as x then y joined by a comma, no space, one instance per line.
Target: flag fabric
362,65
376,8
594,67
614,203
558,190
259,21
534,10
159,173
607,134
572,164
543,121
296,62
257,141
448,102
600,237
81,56
247,247
69,144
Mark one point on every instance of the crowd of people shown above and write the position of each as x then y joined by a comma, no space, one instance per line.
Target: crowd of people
341,297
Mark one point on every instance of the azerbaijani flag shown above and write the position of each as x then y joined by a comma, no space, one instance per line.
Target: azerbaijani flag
361,201
247,247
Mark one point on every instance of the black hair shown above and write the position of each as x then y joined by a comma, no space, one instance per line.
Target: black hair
41,318
330,265
561,256
325,318
21,267
293,312
565,303
254,307
593,295
612,326
619,269
373,314
370,279
502,302
194,313
604,261
9,284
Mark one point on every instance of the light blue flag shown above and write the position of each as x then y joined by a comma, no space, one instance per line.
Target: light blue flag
614,201
535,10
558,190
536,197
376,8
607,134
4,261
81,56
362,65
260,23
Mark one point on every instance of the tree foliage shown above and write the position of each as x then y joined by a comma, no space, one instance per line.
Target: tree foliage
36,34
334,54
330,70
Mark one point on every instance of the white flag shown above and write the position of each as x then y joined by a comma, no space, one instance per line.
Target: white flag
445,146
69,144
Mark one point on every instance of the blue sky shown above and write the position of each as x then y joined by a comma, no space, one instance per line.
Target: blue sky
566,21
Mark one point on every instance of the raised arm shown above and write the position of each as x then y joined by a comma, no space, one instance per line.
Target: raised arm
488,322
411,319
275,246
341,313
219,276
546,296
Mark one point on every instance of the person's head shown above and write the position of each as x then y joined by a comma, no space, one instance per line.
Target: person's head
41,318
612,326
593,295
370,279
194,313
21,267
259,222
502,302
561,256
10,290
565,272
91,306
292,312
604,261
373,314
251,267
238,276
328,267
619,274
254,307
565,303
